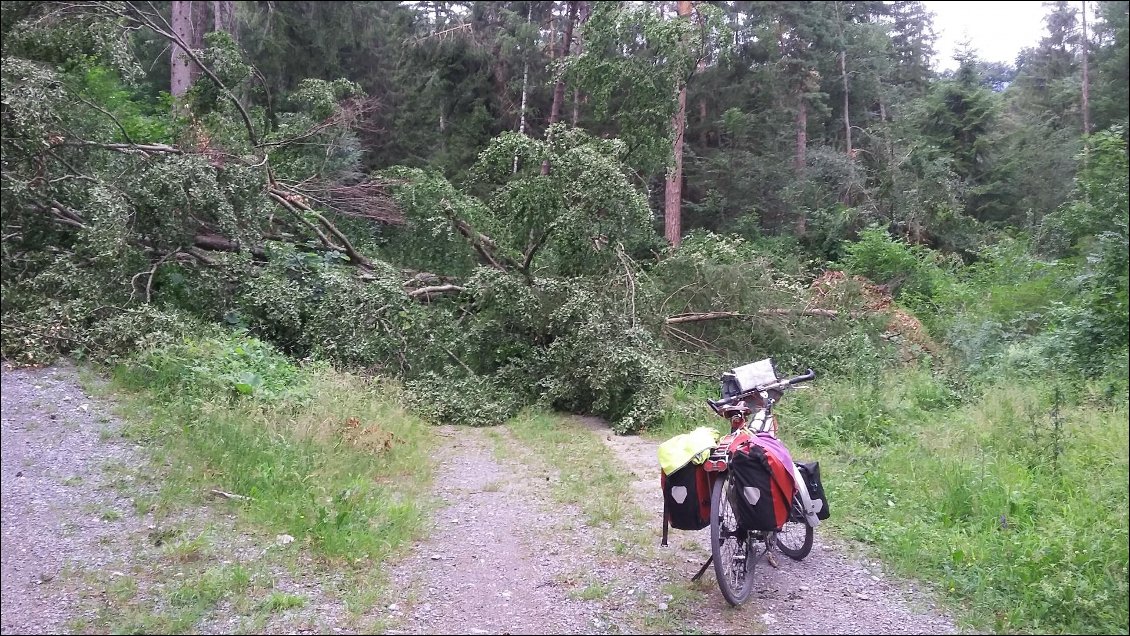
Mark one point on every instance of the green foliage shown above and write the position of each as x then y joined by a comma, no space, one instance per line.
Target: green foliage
561,288
429,241
68,37
222,56
584,209
914,273
995,315
449,397
632,65
982,495
860,419
139,120
569,342
1093,324
229,366
1100,198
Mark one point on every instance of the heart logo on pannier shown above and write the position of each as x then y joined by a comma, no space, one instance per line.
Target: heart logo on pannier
679,494
751,494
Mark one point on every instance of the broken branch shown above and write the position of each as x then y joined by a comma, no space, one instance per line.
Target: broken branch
426,292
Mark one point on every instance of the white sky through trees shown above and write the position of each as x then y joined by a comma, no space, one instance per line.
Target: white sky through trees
997,30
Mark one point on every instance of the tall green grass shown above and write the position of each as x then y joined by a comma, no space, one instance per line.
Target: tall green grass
329,458
1020,519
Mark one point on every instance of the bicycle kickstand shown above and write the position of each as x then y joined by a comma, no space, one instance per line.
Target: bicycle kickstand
702,570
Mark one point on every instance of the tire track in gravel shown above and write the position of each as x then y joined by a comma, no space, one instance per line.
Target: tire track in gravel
828,592
500,557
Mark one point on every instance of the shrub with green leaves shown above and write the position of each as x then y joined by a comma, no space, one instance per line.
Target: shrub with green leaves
219,367
915,273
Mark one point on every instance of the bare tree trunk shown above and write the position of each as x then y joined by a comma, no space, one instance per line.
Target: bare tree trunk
673,199
1086,78
582,17
891,168
847,117
559,87
186,23
801,133
800,161
844,78
525,92
223,14
525,96
673,195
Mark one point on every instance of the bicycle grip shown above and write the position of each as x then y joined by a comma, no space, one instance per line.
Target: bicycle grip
810,375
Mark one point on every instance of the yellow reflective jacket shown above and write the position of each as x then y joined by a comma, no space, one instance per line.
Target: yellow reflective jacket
689,447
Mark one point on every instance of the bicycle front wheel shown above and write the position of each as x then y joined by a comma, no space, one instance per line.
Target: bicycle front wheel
730,546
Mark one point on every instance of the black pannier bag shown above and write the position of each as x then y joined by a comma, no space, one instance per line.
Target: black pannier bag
686,497
811,473
758,495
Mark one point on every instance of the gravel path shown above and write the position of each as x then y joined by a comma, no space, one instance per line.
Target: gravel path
58,511
499,557
72,528
502,555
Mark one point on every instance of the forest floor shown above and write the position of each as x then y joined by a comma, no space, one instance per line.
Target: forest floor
516,543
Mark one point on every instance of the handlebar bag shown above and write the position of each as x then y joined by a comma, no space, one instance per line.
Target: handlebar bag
748,377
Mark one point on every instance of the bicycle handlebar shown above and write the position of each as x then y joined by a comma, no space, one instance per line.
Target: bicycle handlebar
783,384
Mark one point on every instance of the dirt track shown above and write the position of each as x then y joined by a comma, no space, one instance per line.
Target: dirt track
502,555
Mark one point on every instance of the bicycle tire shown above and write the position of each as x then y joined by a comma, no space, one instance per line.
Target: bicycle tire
792,546
733,568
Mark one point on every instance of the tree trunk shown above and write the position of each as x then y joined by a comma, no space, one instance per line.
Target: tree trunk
525,93
223,15
801,147
188,22
582,17
559,87
847,117
801,133
673,194
892,169
673,199
525,96
1086,78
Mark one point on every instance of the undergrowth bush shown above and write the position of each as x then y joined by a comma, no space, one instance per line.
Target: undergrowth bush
220,367
450,397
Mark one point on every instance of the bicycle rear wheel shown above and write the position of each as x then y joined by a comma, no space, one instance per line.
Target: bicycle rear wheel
731,547
795,537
